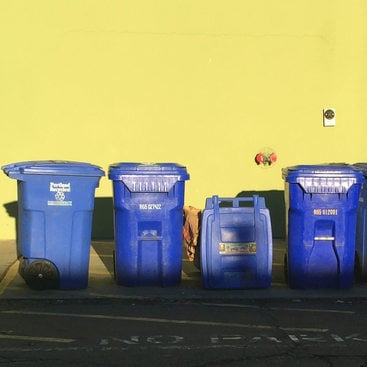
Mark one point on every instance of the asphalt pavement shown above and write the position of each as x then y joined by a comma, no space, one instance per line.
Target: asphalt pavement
102,284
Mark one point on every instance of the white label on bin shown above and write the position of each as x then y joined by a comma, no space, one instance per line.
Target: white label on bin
150,206
237,248
59,189
325,212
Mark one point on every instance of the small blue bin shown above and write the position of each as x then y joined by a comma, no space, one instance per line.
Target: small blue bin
236,246
148,208
321,206
55,210
361,234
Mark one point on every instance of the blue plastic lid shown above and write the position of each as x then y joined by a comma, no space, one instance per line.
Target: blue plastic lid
321,170
118,171
52,167
325,178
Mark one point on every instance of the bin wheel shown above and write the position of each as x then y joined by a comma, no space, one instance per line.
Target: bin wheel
358,269
41,274
286,268
114,264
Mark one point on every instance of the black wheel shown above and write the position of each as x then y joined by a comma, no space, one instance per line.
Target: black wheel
114,264
357,269
286,268
41,274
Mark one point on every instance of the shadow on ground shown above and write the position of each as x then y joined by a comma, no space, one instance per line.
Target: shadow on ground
191,275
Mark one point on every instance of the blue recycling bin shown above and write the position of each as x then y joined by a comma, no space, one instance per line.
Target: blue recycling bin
361,234
55,209
236,245
148,221
321,205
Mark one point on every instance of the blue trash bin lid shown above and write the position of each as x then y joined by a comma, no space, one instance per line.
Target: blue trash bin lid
119,171
324,178
52,167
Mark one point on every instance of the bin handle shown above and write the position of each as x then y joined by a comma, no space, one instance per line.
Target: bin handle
324,238
216,200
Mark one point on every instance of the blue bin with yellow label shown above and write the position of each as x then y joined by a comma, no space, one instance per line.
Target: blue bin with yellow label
148,220
55,211
236,246
321,206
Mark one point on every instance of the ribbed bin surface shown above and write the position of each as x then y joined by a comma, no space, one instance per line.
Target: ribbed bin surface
55,210
148,206
321,202
236,243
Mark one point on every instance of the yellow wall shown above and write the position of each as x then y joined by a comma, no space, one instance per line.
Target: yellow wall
203,83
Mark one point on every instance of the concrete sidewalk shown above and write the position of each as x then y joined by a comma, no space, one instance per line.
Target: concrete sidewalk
102,284
8,254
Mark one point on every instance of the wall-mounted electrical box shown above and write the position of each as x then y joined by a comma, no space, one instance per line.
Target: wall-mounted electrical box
328,115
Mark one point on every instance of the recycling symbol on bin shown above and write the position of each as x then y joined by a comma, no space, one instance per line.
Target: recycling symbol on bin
59,196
